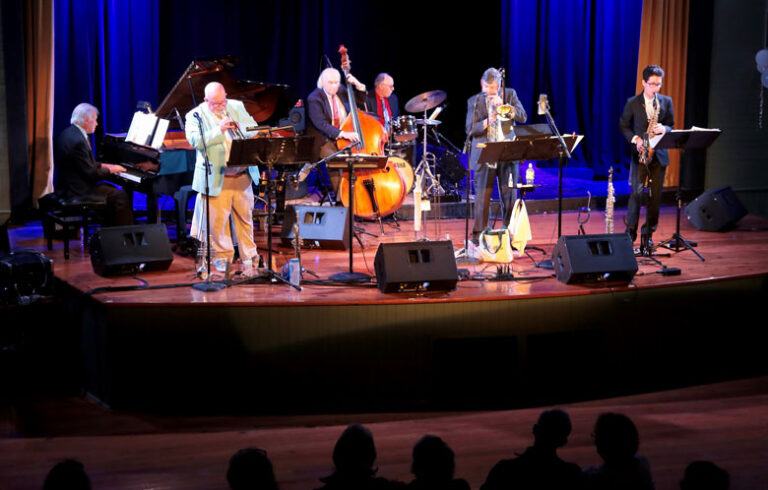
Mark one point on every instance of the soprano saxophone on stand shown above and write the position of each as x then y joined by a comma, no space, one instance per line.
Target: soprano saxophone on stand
609,200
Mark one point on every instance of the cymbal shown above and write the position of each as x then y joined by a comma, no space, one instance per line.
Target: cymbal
428,122
426,101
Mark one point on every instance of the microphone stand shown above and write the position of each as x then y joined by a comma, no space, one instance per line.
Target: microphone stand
464,253
564,155
209,285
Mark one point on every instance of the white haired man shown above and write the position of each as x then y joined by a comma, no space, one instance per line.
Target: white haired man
77,174
230,188
328,106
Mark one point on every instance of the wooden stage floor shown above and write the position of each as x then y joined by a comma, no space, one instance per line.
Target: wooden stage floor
742,252
726,423
353,354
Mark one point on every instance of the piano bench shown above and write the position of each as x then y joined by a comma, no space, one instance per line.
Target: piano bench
182,197
71,215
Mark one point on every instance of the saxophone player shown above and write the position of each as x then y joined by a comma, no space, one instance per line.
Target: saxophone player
646,115
487,122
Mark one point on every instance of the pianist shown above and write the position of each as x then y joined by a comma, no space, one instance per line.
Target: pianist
79,176
231,194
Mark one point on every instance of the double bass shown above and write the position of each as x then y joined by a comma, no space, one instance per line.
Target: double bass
380,192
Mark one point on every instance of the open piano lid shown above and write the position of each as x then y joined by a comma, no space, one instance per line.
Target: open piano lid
260,99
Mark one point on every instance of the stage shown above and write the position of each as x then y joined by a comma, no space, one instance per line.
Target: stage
489,343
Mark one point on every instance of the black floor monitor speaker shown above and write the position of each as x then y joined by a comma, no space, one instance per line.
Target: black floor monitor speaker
592,258
715,210
415,266
319,226
120,250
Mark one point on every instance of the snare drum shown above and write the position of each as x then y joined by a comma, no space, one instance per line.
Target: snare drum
404,128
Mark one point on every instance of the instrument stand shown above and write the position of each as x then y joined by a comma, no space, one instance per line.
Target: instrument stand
351,276
677,243
271,274
463,253
523,188
208,285
684,140
270,152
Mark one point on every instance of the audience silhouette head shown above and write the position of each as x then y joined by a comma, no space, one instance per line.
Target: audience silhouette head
552,429
433,459
616,437
355,452
67,475
705,475
250,468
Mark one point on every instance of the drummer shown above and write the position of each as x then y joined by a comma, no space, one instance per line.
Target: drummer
383,101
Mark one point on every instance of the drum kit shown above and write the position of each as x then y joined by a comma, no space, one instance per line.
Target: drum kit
403,132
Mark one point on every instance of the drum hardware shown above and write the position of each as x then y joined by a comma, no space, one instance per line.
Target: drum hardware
426,181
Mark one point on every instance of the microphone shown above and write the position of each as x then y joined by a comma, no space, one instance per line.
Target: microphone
178,118
543,104
304,172
435,113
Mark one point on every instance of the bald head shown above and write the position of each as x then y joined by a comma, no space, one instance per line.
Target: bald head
384,85
216,97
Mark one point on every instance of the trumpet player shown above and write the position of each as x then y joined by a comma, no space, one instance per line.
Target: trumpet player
229,188
491,116
652,113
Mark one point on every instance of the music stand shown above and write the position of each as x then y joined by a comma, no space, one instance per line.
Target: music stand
684,139
271,152
350,163
536,148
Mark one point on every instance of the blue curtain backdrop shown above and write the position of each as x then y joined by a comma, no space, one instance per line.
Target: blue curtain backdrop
582,54
106,54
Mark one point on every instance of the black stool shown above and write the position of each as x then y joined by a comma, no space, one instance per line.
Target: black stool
71,214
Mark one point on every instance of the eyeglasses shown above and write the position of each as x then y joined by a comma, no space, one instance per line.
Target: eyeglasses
653,84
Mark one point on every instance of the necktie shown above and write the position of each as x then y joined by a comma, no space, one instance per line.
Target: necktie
335,111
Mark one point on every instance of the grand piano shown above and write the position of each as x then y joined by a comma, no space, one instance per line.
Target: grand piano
163,172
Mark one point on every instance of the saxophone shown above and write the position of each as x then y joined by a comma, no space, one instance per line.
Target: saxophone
609,200
646,156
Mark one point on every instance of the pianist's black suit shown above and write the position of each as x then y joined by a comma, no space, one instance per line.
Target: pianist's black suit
77,175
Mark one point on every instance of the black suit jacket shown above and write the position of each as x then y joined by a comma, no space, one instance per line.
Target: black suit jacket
76,172
634,122
394,105
477,112
321,114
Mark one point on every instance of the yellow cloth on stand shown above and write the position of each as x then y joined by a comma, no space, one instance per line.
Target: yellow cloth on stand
519,227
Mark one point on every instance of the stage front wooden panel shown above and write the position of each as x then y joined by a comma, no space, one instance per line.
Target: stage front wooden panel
489,343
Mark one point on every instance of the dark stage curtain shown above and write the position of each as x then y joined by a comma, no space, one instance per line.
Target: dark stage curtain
106,54
584,56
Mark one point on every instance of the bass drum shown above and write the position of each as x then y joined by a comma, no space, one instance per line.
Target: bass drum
405,170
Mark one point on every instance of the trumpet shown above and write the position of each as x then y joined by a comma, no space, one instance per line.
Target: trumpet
235,132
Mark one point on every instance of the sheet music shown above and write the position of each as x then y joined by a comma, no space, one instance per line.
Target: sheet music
142,126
